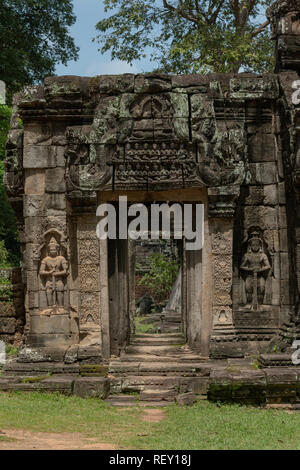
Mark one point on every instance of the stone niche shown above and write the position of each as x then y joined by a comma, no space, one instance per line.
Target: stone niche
229,141
54,323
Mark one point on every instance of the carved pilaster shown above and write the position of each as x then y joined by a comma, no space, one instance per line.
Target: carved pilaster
221,212
89,274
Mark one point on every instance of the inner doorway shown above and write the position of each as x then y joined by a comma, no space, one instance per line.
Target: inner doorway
158,287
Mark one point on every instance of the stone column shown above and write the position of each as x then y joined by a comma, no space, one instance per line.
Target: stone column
131,281
221,219
104,299
194,294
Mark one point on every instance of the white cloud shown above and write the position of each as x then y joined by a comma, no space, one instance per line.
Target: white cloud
116,67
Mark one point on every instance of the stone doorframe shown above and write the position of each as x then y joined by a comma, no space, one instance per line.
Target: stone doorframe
210,267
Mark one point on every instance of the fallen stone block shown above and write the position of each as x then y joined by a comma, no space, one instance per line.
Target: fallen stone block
96,387
186,399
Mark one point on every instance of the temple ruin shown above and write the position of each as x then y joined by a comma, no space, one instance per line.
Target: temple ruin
228,141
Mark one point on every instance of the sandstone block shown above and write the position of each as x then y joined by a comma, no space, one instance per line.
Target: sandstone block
94,387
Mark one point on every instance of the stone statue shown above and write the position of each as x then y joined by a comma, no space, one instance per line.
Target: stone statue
255,265
53,272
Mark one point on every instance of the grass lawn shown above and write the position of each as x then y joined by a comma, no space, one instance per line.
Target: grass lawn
202,426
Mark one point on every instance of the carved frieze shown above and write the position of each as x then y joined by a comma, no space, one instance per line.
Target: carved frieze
90,307
86,161
89,251
222,157
222,316
222,243
222,280
89,278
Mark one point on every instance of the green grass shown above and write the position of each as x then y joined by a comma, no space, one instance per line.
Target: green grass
208,426
142,328
202,426
42,412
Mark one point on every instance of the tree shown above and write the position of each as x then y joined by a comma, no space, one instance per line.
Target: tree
33,38
189,36
9,245
161,275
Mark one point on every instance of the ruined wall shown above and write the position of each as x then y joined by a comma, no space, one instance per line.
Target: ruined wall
12,314
231,137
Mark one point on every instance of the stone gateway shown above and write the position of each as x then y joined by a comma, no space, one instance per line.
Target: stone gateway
228,141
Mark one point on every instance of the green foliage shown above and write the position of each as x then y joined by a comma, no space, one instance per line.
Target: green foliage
5,114
3,255
5,285
34,37
189,36
11,350
161,275
9,245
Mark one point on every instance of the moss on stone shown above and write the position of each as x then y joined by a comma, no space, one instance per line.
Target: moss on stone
93,370
33,380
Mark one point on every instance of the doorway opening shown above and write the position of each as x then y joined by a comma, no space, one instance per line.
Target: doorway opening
179,313
158,287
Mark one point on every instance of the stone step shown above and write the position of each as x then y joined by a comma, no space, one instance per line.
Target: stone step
154,404
39,368
181,384
158,358
167,319
158,350
126,401
171,328
118,368
140,383
154,395
123,400
158,340
159,335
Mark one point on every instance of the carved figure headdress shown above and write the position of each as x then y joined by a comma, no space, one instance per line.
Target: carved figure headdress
53,243
255,235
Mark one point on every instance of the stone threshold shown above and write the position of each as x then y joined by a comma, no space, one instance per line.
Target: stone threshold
233,382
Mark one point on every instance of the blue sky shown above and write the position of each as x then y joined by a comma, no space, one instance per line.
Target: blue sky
91,62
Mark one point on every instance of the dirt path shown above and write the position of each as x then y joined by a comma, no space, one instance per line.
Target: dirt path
20,439
153,415
27,440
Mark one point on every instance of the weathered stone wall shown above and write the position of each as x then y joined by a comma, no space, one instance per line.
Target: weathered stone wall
12,314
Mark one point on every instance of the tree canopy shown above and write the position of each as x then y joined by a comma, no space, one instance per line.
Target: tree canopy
189,36
33,38
9,246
